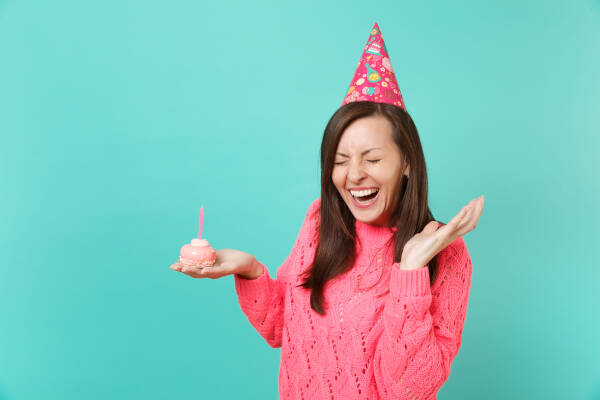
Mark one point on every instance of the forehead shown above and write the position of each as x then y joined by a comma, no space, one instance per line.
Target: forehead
373,131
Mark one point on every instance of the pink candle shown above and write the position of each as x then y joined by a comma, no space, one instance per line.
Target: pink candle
201,219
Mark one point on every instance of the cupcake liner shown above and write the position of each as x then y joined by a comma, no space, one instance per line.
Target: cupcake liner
197,265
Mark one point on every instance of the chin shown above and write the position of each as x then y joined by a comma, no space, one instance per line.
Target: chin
367,217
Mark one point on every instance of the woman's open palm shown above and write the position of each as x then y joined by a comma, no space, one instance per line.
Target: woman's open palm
228,261
422,247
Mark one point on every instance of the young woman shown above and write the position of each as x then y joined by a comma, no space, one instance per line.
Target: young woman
371,301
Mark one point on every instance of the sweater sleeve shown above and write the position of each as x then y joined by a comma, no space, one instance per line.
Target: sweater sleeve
262,299
423,329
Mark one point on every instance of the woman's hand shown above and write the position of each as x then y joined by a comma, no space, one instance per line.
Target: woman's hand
228,262
422,247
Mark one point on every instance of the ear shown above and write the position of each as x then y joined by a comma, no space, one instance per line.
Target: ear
407,171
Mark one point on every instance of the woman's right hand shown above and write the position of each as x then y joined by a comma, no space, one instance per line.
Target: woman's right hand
228,262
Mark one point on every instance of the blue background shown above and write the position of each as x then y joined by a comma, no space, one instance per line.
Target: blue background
119,119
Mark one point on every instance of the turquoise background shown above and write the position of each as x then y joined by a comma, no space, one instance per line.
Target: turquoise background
119,119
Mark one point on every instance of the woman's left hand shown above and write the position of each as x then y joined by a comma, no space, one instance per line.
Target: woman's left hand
422,247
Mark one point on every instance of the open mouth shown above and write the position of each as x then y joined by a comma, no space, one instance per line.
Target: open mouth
364,196
367,197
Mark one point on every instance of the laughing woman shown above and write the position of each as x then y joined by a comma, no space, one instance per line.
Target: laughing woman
372,300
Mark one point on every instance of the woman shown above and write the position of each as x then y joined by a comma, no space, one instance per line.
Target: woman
371,301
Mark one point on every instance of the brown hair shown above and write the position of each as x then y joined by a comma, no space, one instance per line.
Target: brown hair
336,232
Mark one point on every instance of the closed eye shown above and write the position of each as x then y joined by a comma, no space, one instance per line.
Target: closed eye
371,161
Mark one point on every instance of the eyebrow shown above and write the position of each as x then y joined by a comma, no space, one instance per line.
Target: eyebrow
363,153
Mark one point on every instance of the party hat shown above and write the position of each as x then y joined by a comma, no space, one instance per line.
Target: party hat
374,79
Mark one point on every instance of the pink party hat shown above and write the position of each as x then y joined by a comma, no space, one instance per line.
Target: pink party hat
374,79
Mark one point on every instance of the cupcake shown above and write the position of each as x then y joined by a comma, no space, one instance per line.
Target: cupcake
197,253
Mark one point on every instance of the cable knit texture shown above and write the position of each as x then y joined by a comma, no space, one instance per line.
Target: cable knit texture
386,334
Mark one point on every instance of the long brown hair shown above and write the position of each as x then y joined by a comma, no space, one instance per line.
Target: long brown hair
337,235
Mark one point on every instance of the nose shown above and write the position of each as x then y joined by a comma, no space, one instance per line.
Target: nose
356,172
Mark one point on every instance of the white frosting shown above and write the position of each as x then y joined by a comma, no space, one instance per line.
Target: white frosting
199,242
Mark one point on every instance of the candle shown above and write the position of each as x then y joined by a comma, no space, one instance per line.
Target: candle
200,225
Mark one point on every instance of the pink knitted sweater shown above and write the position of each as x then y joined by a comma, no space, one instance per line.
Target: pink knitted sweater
386,334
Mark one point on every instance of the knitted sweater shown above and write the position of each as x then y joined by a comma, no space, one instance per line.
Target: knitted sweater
386,333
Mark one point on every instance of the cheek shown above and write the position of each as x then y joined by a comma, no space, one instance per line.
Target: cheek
387,180
382,175
337,177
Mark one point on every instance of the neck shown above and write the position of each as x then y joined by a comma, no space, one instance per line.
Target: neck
373,235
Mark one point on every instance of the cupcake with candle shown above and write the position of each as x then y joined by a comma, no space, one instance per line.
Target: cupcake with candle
198,252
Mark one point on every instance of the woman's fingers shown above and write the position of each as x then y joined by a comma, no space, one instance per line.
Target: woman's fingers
476,213
214,272
194,272
458,217
175,267
469,222
464,222
466,219
479,209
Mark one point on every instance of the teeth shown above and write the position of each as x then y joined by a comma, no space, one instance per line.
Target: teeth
360,193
